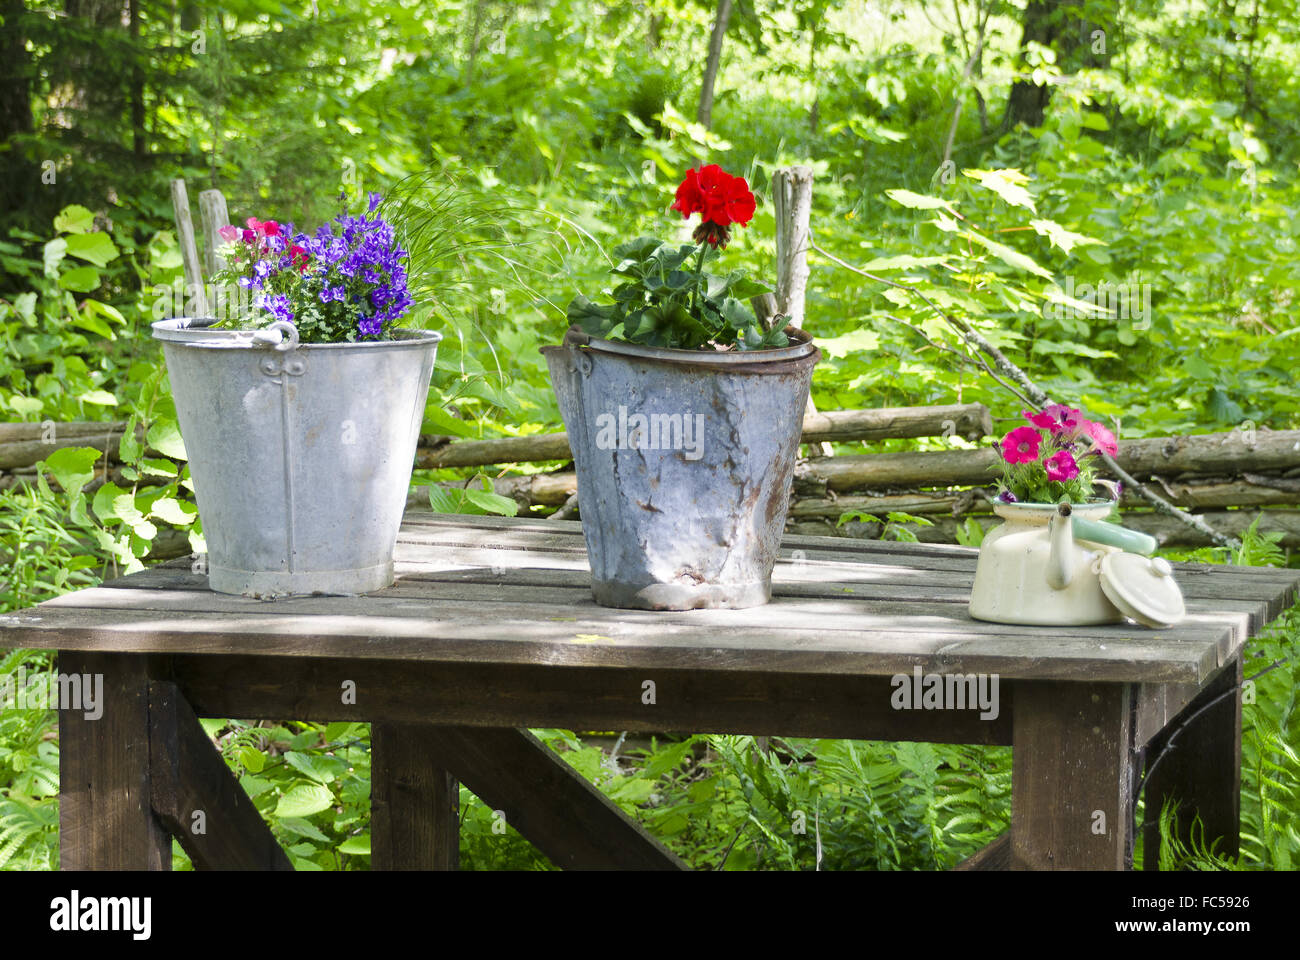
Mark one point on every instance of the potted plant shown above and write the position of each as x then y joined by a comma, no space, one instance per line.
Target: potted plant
684,414
1053,560
301,417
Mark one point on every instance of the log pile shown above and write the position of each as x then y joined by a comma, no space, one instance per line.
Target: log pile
1225,477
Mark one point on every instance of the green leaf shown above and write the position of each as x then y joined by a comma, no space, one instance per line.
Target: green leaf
850,342
53,255
1061,237
304,800
492,502
105,502
903,262
918,201
73,467
94,248
1007,184
154,467
638,250
80,279
107,311
593,318
252,759
317,768
74,219
304,828
170,510
357,846
100,398
165,437
1012,258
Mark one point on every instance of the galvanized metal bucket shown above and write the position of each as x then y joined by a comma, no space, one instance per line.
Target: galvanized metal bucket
300,453
684,460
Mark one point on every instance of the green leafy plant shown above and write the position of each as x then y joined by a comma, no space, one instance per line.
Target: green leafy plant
666,299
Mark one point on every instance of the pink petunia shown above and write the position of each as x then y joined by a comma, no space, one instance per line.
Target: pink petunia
1021,445
1103,440
1060,466
1058,418
270,228
229,234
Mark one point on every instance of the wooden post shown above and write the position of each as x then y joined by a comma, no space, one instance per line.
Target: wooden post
414,801
212,217
189,250
792,202
1196,760
106,817
1072,775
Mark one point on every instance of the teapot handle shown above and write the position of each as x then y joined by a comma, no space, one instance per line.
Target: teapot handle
1113,535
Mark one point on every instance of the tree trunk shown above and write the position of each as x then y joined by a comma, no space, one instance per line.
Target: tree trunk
15,84
654,36
18,175
1028,100
475,39
705,114
139,146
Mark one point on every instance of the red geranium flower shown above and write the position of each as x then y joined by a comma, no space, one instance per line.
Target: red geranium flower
719,198
1021,445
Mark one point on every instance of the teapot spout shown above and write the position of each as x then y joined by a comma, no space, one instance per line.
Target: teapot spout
1060,564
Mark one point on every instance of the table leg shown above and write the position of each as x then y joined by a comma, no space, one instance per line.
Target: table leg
1196,760
106,821
1072,776
414,802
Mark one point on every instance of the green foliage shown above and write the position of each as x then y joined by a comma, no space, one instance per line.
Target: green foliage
665,301
1167,170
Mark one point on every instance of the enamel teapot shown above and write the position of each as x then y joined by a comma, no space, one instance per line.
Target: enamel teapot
1059,564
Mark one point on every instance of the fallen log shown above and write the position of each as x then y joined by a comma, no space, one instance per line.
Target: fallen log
968,420
23,444
1209,454
1168,531
1258,491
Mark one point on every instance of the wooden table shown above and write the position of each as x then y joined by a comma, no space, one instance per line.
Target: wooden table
490,628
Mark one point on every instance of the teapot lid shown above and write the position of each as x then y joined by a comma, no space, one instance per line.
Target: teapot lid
1143,588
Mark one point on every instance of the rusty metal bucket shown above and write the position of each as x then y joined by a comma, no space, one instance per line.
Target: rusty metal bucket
684,460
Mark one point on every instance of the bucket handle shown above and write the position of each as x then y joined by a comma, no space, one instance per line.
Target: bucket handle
270,336
574,341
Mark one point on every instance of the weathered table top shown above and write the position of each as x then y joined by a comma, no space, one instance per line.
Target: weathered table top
495,591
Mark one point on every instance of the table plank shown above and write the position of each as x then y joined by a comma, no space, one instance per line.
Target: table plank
842,636
512,591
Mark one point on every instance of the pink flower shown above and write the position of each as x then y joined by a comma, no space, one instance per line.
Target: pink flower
1021,445
1058,418
249,236
1103,440
253,224
1060,466
229,234
270,229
